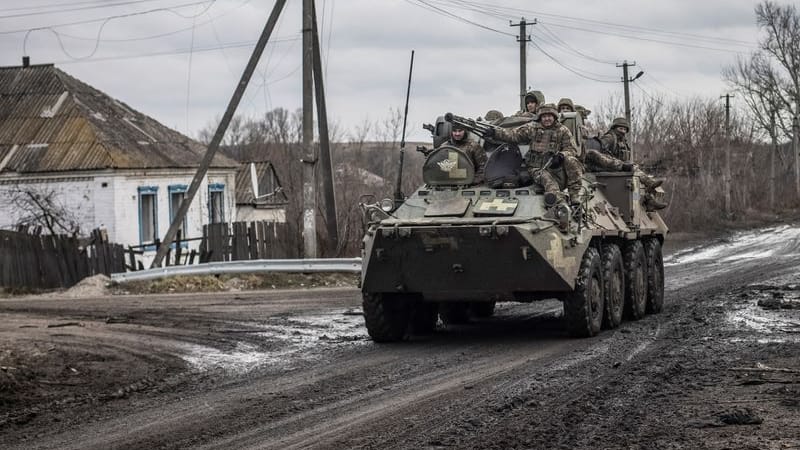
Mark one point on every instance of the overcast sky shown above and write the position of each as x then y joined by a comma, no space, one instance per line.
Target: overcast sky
179,60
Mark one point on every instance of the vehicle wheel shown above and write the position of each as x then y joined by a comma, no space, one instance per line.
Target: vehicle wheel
635,281
386,316
454,313
483,309
613,286
655,276
424,317
583,308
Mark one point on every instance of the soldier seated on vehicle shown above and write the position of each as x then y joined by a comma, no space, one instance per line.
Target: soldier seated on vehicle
533,100
494,117
551,159
615,154
476,153
565,105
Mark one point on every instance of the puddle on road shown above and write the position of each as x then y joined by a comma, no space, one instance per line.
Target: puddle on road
760,244
294,338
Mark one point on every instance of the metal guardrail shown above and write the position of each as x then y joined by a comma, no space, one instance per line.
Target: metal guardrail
252,266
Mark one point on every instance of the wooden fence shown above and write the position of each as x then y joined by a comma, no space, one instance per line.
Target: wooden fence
244,241
36,261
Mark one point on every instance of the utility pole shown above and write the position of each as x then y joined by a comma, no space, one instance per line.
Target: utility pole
773,150
213,146
523,40
309,159
326,167
625,81
796,146
727,98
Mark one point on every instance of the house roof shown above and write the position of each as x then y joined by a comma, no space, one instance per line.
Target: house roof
52,122
270,192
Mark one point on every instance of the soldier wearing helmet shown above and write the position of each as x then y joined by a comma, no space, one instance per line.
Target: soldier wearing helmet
616,156
566,105
533,100
476,153
552,147
493,116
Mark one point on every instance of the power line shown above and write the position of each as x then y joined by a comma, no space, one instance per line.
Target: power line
674,34
572,49
80,8
427,5
61,5
159,35
246,44
640,38
105,19
573,70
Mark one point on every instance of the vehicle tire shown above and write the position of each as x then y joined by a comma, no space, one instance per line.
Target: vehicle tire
613,286
655,276
386,316
483,309
454,313
583,307
635,281
424,317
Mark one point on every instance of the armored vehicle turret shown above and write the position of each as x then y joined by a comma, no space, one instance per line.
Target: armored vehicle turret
454,248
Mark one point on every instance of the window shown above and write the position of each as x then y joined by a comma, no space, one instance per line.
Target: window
216,203
148,214
177,192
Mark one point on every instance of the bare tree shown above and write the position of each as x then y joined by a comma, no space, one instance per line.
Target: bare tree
42,207
769,82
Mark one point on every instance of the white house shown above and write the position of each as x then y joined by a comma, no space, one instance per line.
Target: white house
98,162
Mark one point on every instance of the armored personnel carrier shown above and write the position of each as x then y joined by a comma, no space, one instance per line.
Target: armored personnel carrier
453,248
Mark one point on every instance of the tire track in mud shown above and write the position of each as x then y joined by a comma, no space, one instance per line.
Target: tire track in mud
327,425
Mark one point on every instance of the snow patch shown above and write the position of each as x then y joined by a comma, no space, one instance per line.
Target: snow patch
760,244
293,338
766,322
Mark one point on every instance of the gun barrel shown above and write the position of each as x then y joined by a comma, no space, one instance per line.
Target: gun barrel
468,124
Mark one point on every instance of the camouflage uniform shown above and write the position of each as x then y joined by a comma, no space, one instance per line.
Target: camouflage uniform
615,152
544,143
476,154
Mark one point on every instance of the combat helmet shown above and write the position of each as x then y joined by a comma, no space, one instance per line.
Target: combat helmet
493,115
566,102
538,95
620,122
548,108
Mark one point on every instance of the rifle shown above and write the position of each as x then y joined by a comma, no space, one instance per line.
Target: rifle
399,197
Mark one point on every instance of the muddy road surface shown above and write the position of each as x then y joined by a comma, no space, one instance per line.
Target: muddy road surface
718,368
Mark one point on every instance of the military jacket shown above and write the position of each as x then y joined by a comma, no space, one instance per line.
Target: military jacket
543,141
476,153
616,145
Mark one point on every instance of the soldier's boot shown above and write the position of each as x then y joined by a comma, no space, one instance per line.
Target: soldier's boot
651,203
650,183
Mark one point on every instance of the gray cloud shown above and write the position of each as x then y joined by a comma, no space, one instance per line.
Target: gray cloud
458,67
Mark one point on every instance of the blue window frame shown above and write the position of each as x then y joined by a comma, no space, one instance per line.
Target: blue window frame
148,216
177,192
216,202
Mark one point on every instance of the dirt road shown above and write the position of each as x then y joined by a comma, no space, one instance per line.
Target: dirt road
295,369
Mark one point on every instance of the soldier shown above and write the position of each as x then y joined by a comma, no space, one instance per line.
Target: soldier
616,155
493,116
566,105
476,153
533,99
550,143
